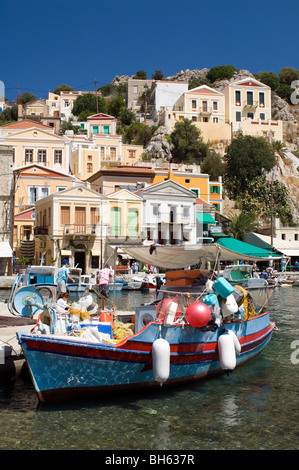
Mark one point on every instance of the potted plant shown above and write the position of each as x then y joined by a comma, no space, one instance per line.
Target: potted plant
24,261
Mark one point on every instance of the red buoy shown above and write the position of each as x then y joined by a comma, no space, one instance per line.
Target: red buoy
198,314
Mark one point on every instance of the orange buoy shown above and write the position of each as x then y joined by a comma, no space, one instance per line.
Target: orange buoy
105,317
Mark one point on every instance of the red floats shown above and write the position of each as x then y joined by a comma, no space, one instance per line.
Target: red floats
165,306
198,314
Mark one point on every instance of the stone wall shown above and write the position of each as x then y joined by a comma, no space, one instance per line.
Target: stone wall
6,203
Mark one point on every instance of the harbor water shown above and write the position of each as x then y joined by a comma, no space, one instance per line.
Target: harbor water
255,408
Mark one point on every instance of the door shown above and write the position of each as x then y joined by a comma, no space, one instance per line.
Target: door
80,260
115,221
133,223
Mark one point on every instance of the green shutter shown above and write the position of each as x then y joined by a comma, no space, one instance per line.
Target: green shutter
133,223
115,221
106,130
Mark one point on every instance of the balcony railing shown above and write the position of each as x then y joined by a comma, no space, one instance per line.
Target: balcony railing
250,104
80,229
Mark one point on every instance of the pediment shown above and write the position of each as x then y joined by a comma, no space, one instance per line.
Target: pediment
168,189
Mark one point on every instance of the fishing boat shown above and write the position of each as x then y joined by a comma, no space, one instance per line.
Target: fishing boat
82,281
185,337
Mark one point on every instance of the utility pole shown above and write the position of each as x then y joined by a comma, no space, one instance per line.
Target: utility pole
96,89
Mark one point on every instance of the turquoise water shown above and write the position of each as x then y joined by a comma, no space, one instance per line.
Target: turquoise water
255,408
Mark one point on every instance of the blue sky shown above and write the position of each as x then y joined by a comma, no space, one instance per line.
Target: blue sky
46,43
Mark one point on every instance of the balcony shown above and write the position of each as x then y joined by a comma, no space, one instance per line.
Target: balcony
85,231
248,104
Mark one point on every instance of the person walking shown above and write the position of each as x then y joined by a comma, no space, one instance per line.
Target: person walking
63,276
104,278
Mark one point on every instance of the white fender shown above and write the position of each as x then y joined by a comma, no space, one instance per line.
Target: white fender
161,360
227,352
170,313
236,342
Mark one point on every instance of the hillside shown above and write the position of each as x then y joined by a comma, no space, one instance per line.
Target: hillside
287,168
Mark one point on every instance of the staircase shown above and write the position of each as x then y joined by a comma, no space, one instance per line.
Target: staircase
27,249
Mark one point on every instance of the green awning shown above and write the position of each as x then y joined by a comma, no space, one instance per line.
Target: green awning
205,218
245,248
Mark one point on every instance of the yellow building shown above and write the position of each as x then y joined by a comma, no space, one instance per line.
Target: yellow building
90,155
248,109
35,143
71,224
124,217
205,107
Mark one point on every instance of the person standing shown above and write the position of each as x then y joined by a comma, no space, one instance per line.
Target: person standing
104,278
63,276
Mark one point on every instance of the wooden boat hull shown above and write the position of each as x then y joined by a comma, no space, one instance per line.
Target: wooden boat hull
67,367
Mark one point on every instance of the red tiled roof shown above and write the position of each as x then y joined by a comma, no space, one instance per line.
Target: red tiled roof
26,124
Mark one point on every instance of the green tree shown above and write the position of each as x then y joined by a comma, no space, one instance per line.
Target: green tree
10,114
213,165
221,72
188,145
26,98
138,133
246,158
127,117
158,75
62,87
88,102
285,92
287,75
270,79
196,82
140,75
240,224
115,106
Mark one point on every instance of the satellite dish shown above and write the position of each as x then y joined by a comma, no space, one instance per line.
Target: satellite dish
27,301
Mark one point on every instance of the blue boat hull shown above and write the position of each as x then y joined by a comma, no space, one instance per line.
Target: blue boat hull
64,367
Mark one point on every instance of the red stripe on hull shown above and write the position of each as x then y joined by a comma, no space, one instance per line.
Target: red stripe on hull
180,353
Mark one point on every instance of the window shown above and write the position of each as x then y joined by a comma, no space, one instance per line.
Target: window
238,98
89,168
195,191
36,193
115,221
106,130
135,89
113,153
80,220
215,189
66,103
133,223
156,208
132,153
217,207
261,99
102,152
238,116
204,106
28,156
250,97
95,129
215,120
296,237
215,105
89,158
194,104
187,180
283,236
65,215
58,156
250,115
42,156
61,188
94,216
194,118
262,116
